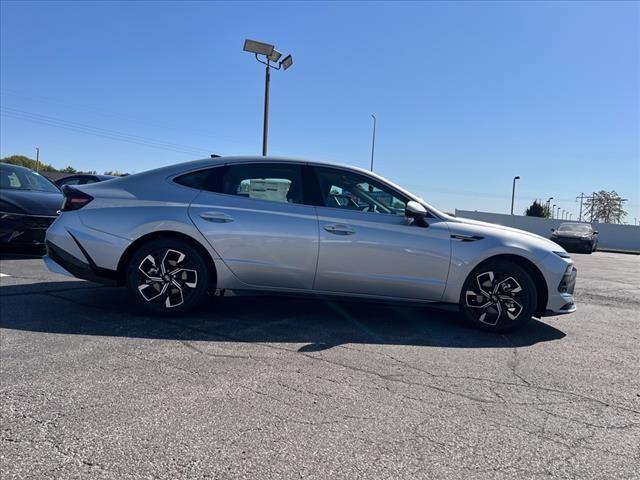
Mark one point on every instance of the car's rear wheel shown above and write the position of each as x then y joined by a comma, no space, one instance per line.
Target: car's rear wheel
167,276
498,296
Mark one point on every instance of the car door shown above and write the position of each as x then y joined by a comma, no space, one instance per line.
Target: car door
254,217
368,246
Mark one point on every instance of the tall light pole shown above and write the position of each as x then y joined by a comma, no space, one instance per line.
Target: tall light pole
37,159
553,211
513,192
548,205
558,214
373,139
272,57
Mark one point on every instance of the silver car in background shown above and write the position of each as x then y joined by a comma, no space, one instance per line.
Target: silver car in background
175,234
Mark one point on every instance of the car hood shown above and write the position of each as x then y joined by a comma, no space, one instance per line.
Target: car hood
495,230
33,202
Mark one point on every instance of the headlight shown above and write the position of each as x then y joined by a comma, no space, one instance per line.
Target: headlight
562,254
585,237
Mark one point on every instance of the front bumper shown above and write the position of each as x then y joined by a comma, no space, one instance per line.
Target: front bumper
574,243
19,229
560,300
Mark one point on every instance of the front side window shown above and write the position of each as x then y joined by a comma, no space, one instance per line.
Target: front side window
352,191
273,182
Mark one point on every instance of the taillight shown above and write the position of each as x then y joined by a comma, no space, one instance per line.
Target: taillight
74,199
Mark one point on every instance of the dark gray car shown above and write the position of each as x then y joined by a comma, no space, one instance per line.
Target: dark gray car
29,203
576,236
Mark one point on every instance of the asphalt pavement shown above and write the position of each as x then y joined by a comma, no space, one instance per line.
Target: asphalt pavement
275,387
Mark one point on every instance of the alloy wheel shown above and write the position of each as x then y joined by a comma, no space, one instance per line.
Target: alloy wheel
166,277
491,298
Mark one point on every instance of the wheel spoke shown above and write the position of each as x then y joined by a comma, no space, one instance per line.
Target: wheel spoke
485,282
475,300
157,290
174,295
171,259
186,276
512,308
149,268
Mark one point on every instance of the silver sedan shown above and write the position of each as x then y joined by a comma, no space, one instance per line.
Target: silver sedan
176,234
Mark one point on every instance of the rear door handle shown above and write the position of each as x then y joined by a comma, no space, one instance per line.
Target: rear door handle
216,217
339,229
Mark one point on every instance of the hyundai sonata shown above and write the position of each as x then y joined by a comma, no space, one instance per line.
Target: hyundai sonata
177,233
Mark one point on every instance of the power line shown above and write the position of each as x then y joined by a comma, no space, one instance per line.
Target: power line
100,132
107,113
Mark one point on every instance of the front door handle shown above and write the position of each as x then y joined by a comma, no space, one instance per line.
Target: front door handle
339,229
216,217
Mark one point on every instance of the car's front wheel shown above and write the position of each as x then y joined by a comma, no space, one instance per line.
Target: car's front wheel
498,296
167,276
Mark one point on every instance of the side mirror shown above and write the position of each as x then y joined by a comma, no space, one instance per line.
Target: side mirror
417,212
595,232
553,229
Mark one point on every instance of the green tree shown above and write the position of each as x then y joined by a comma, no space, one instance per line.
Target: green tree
23,161
69,169
537,210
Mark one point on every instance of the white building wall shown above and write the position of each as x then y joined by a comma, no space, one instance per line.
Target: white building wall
620,237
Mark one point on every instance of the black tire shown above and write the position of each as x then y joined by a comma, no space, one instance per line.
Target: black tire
498,296
167,276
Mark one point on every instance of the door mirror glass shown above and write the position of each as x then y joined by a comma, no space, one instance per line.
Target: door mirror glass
417,212
595,232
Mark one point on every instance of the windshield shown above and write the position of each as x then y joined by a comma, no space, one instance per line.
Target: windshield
575,227
18,179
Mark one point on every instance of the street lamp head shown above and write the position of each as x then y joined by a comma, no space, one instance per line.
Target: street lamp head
275,56
287,62
258,48
516,178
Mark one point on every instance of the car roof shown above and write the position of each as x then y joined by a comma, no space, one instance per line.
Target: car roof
11,166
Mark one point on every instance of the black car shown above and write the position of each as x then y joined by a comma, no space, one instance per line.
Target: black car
576,236
82,179
29,203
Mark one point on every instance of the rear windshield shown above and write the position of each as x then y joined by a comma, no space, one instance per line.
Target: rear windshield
575,227
15,179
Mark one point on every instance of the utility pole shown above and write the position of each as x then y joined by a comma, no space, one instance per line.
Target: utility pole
593,199
581,197
373,140
37,159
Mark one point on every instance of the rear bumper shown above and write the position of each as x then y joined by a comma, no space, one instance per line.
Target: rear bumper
59,261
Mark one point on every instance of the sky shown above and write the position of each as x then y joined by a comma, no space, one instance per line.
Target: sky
467,95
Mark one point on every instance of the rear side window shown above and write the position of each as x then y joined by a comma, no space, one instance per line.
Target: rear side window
201,180
264,181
